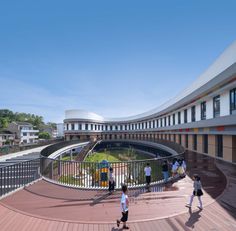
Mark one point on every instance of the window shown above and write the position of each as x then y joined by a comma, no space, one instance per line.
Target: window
233,101
116,127
205,143
193,113
24,133
165,121
179,117
173,119
80,126
98,127
146,124
161,122
186,141
86,126
169,120
150,124
180,139
106,127
185,116
110,127
203,110
95,127
91,126
153,123
72,127
216,106
158,123
195,142
219,146
67,127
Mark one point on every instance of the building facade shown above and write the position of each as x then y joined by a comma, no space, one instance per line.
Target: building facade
25,133
202,118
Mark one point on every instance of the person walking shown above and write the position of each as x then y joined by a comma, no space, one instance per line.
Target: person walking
148,171
124,207
111,181
165,171
196,192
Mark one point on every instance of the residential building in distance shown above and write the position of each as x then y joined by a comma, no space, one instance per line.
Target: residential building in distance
6,138
60,130
24,132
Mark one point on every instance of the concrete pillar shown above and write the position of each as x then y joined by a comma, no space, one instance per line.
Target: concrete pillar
212,145
183,140
200,143
229,148
190,142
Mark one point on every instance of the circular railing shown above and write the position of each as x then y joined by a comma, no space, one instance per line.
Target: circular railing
91,175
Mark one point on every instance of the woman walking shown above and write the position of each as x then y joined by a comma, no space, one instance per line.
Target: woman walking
196,192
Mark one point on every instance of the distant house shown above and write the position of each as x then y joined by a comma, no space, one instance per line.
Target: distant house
6,138
60,130
50,130
25,133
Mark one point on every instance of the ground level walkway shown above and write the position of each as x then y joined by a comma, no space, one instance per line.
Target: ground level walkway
45,206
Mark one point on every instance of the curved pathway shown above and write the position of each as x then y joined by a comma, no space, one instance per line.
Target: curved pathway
44,206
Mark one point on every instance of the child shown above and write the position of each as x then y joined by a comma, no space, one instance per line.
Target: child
111,180
197,191
147,171
124,207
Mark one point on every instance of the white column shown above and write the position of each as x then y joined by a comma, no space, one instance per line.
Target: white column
198,112
224,104
209,109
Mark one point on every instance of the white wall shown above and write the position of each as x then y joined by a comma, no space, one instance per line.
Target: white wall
224,104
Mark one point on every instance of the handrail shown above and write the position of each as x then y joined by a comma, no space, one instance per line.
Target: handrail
90,175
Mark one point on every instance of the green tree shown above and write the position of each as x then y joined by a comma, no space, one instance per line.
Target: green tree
44,135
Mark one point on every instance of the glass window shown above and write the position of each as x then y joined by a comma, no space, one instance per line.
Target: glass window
24,133
173,119
233,101
165,121
80,126
216,106
72,127
205,143
86,126
203,110
179,117
219,146
186,141
195,142
110,127
91,126
193,113
185,116
169,120
95,127
161,122
153,123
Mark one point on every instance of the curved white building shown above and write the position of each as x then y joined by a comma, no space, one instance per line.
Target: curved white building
202,118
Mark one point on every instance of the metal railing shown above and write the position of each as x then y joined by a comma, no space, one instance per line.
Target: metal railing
18,175
91,175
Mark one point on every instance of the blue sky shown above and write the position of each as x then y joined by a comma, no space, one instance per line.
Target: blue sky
115,58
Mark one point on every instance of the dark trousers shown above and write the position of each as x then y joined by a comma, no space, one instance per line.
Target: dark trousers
111,186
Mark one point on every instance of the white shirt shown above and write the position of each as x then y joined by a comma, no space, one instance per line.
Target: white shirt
124,199
147,171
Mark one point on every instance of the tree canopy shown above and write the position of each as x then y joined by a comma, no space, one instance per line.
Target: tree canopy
8,116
